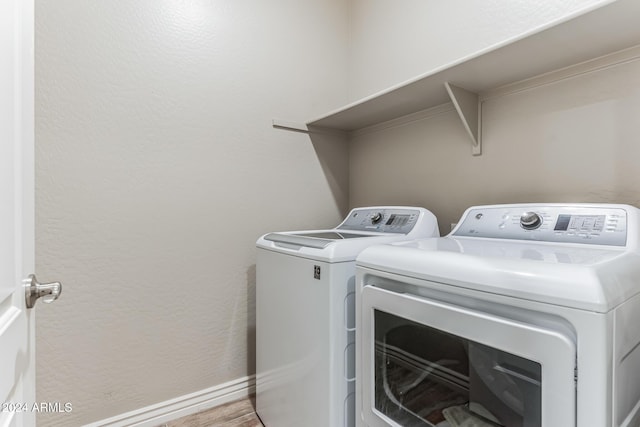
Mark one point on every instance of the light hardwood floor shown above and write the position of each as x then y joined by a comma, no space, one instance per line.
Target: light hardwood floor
240,413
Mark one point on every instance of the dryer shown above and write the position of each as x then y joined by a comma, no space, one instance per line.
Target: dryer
305,314
525,315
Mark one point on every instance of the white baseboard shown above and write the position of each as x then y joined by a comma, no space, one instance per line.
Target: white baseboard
159,413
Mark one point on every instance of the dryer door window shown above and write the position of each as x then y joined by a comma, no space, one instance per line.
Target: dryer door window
424,377
429,363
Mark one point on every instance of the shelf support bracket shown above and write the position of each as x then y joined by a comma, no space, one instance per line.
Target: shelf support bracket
467,105
285,125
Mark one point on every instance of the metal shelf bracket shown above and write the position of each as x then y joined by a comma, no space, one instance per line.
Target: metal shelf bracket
292,126
467,105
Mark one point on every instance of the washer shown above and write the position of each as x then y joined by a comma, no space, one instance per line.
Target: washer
305,314
525,315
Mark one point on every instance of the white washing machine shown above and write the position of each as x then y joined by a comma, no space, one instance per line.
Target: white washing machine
305,314
523,316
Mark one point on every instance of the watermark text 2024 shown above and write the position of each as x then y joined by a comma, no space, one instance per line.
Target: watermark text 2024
45,407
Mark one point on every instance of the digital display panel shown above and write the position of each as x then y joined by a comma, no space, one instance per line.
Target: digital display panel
563,223
397,220
580,223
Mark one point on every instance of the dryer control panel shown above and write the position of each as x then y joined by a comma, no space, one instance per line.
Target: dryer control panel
595,225
382,220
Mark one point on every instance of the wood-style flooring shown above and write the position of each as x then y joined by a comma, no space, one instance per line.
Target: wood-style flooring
240,413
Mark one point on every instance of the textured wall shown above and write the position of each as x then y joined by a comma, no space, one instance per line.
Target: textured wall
157,169
569,141
393,43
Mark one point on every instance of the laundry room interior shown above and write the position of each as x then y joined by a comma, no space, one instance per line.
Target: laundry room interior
171,134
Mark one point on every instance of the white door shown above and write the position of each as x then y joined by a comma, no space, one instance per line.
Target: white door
17,374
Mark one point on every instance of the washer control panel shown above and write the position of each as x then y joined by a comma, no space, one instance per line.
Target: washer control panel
383,220
547,223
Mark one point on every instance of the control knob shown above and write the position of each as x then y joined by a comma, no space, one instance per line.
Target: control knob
530,220
376,218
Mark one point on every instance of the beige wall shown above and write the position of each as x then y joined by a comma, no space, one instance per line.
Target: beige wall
157,169
569,141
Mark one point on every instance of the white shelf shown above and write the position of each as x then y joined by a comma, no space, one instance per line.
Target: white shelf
583,36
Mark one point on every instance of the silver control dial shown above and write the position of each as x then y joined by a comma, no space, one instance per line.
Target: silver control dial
530,220
376,218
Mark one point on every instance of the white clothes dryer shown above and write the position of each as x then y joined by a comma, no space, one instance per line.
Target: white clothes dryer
523,316
305,314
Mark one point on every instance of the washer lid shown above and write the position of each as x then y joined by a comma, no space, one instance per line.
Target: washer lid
578,276
317,239
384,224
332,246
